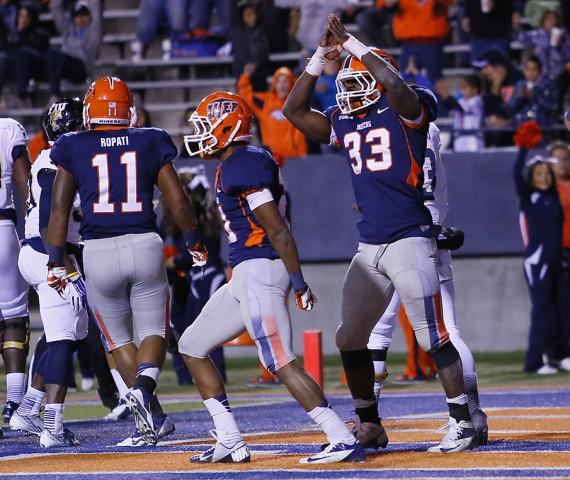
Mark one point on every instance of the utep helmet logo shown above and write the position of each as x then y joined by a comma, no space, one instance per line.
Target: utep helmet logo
221,108
112,108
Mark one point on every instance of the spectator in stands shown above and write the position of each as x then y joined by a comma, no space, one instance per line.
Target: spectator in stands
82,34
314,18
275,22
250,46
422,27
413,75
277,132
28,47
8,16
467,113
534,10
325,91
372,23
201,15
501,77
542,219
550,43
489,23
152,14
534,97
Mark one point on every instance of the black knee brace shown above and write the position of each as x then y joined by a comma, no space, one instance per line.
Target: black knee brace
445,355
354,359
21,328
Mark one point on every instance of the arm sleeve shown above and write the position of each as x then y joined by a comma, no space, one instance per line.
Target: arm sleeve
521,186
59,17
258,198
46,177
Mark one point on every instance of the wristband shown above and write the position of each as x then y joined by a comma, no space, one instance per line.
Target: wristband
317,62
191,236
355,47
55,254
297,281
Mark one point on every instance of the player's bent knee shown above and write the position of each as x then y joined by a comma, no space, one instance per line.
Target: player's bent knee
16,334
346,340
445,355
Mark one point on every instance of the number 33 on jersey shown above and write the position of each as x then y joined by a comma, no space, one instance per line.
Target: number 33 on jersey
386,154
115,171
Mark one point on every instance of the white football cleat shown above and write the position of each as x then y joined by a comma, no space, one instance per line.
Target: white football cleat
166,428
120,412
64,439
87,384
547,370
229,452
31,424
565,364
338,452
458,437
143,416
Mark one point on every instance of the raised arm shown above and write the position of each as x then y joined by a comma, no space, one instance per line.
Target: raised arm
297,108
402,99
284,244
520,183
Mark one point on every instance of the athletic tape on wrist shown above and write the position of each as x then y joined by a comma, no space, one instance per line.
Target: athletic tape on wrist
355,47
317,62
297,280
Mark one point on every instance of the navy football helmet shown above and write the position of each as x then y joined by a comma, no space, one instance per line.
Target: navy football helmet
63,116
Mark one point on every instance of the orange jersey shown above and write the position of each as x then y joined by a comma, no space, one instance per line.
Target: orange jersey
277,132
564,194
415,20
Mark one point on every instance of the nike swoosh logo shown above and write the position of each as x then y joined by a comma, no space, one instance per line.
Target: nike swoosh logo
383,110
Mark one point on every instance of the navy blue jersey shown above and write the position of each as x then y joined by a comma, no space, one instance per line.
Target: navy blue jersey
248,170
386,155
542,217
115,172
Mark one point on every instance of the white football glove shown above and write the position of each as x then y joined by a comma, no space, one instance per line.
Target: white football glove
305,299
75,292
56,278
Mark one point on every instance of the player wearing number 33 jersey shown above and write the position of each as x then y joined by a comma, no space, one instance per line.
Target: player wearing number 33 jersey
380,125
115,169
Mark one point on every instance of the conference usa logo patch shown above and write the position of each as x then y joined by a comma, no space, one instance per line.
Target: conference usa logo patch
220,107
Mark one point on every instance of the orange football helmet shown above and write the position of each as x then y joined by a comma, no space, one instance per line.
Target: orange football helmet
108,103
220,119
356,87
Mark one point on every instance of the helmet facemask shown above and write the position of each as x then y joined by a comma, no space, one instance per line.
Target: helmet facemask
366,93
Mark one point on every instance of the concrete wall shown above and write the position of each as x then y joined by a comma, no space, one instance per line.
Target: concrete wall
492,305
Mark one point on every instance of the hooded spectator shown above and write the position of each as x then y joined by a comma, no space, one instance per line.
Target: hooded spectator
250,46
82,35
277,132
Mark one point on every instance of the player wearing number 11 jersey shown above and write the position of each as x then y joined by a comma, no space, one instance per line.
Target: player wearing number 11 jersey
381,126
115,169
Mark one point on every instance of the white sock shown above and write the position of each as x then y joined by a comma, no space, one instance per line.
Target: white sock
224,421
15,387
31,403
119,382
330,423
53,418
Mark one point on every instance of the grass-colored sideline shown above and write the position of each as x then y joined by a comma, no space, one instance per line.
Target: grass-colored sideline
494,370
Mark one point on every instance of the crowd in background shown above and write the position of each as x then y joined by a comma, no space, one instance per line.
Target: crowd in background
507,87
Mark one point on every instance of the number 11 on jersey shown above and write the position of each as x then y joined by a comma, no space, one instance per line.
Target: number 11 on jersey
104,203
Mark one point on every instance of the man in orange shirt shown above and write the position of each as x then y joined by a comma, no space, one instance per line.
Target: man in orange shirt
422,26
561,152
277,132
